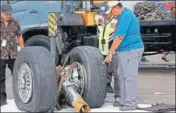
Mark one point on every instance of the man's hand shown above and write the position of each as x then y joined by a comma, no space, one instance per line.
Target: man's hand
20,41
108,58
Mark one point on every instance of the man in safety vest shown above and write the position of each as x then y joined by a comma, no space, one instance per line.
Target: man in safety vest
106,25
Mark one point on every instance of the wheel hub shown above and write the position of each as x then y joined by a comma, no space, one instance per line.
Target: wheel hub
22,83
77,77
25,82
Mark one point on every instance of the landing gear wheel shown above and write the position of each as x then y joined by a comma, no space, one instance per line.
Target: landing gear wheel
92,75
34,80
43,41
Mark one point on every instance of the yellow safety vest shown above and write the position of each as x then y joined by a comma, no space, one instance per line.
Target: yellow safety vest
104,32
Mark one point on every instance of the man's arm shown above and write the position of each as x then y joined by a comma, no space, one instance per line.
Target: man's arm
19,36
116,42
20,41
115,45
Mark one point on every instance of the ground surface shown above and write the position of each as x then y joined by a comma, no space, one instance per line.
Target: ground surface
151,80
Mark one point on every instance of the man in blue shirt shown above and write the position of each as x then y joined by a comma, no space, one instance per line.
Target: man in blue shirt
129,46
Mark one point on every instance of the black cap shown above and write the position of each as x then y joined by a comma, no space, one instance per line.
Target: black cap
6,8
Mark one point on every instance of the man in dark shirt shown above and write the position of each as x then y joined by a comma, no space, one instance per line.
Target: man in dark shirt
10,38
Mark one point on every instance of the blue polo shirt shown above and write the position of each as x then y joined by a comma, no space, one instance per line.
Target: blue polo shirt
128,27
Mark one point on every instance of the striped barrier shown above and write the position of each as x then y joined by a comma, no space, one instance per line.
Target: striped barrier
52,23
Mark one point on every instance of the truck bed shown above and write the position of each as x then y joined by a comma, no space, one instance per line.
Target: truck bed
158,23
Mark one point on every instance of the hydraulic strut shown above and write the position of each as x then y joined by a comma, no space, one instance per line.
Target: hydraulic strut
72,96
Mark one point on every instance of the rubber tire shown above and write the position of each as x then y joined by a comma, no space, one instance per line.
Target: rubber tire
95,81
44,89
41,40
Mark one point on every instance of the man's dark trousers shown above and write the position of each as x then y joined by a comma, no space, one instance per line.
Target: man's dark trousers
3,64
112,71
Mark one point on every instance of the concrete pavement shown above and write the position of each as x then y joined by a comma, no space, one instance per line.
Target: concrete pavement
151,81
157,62
107,107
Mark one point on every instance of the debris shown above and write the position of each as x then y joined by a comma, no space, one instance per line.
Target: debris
149,11
158,93
160,108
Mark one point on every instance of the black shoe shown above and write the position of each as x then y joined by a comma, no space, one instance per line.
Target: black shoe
117,103
109,89
165,59
143,59
3,102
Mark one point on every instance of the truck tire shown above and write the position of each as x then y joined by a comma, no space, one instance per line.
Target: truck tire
95,78
41,40
34,80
